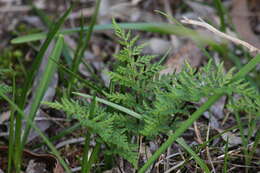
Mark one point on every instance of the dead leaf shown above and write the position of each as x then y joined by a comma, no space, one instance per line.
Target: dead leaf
189,52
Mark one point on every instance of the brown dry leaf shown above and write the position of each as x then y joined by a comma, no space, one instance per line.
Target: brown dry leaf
189,52
240,16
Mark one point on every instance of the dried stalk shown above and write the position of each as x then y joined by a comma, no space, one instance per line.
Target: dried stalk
221,34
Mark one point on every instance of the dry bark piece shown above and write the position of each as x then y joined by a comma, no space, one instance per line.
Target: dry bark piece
52,164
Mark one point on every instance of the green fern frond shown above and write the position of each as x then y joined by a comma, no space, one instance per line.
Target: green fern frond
71,107
101,123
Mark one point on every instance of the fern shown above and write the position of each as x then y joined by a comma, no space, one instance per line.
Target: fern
162,101
191,86
102,123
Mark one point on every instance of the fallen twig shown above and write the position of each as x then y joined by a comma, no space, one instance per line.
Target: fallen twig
221,34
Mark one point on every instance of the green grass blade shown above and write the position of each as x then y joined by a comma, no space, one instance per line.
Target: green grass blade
243,137
255,145
82,47
22,96
93,157
186,124
199,161
85,160
43,85
247,68
221,13
51,34
85,153
45,139
225,167
11,138
113,105
162,28
45,19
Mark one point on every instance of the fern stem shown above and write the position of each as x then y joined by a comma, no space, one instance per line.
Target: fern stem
186,124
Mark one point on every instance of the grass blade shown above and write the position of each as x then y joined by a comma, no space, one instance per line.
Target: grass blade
43,85
11,139
221,13
45,139
162,28
82,47
93,157
85,153
22,96
113,105
225,167
199,161
51,34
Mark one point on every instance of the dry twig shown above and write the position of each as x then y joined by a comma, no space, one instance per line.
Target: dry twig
221,34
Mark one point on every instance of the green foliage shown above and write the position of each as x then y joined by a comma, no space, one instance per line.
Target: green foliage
11,58
102,123
5,88
162,101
